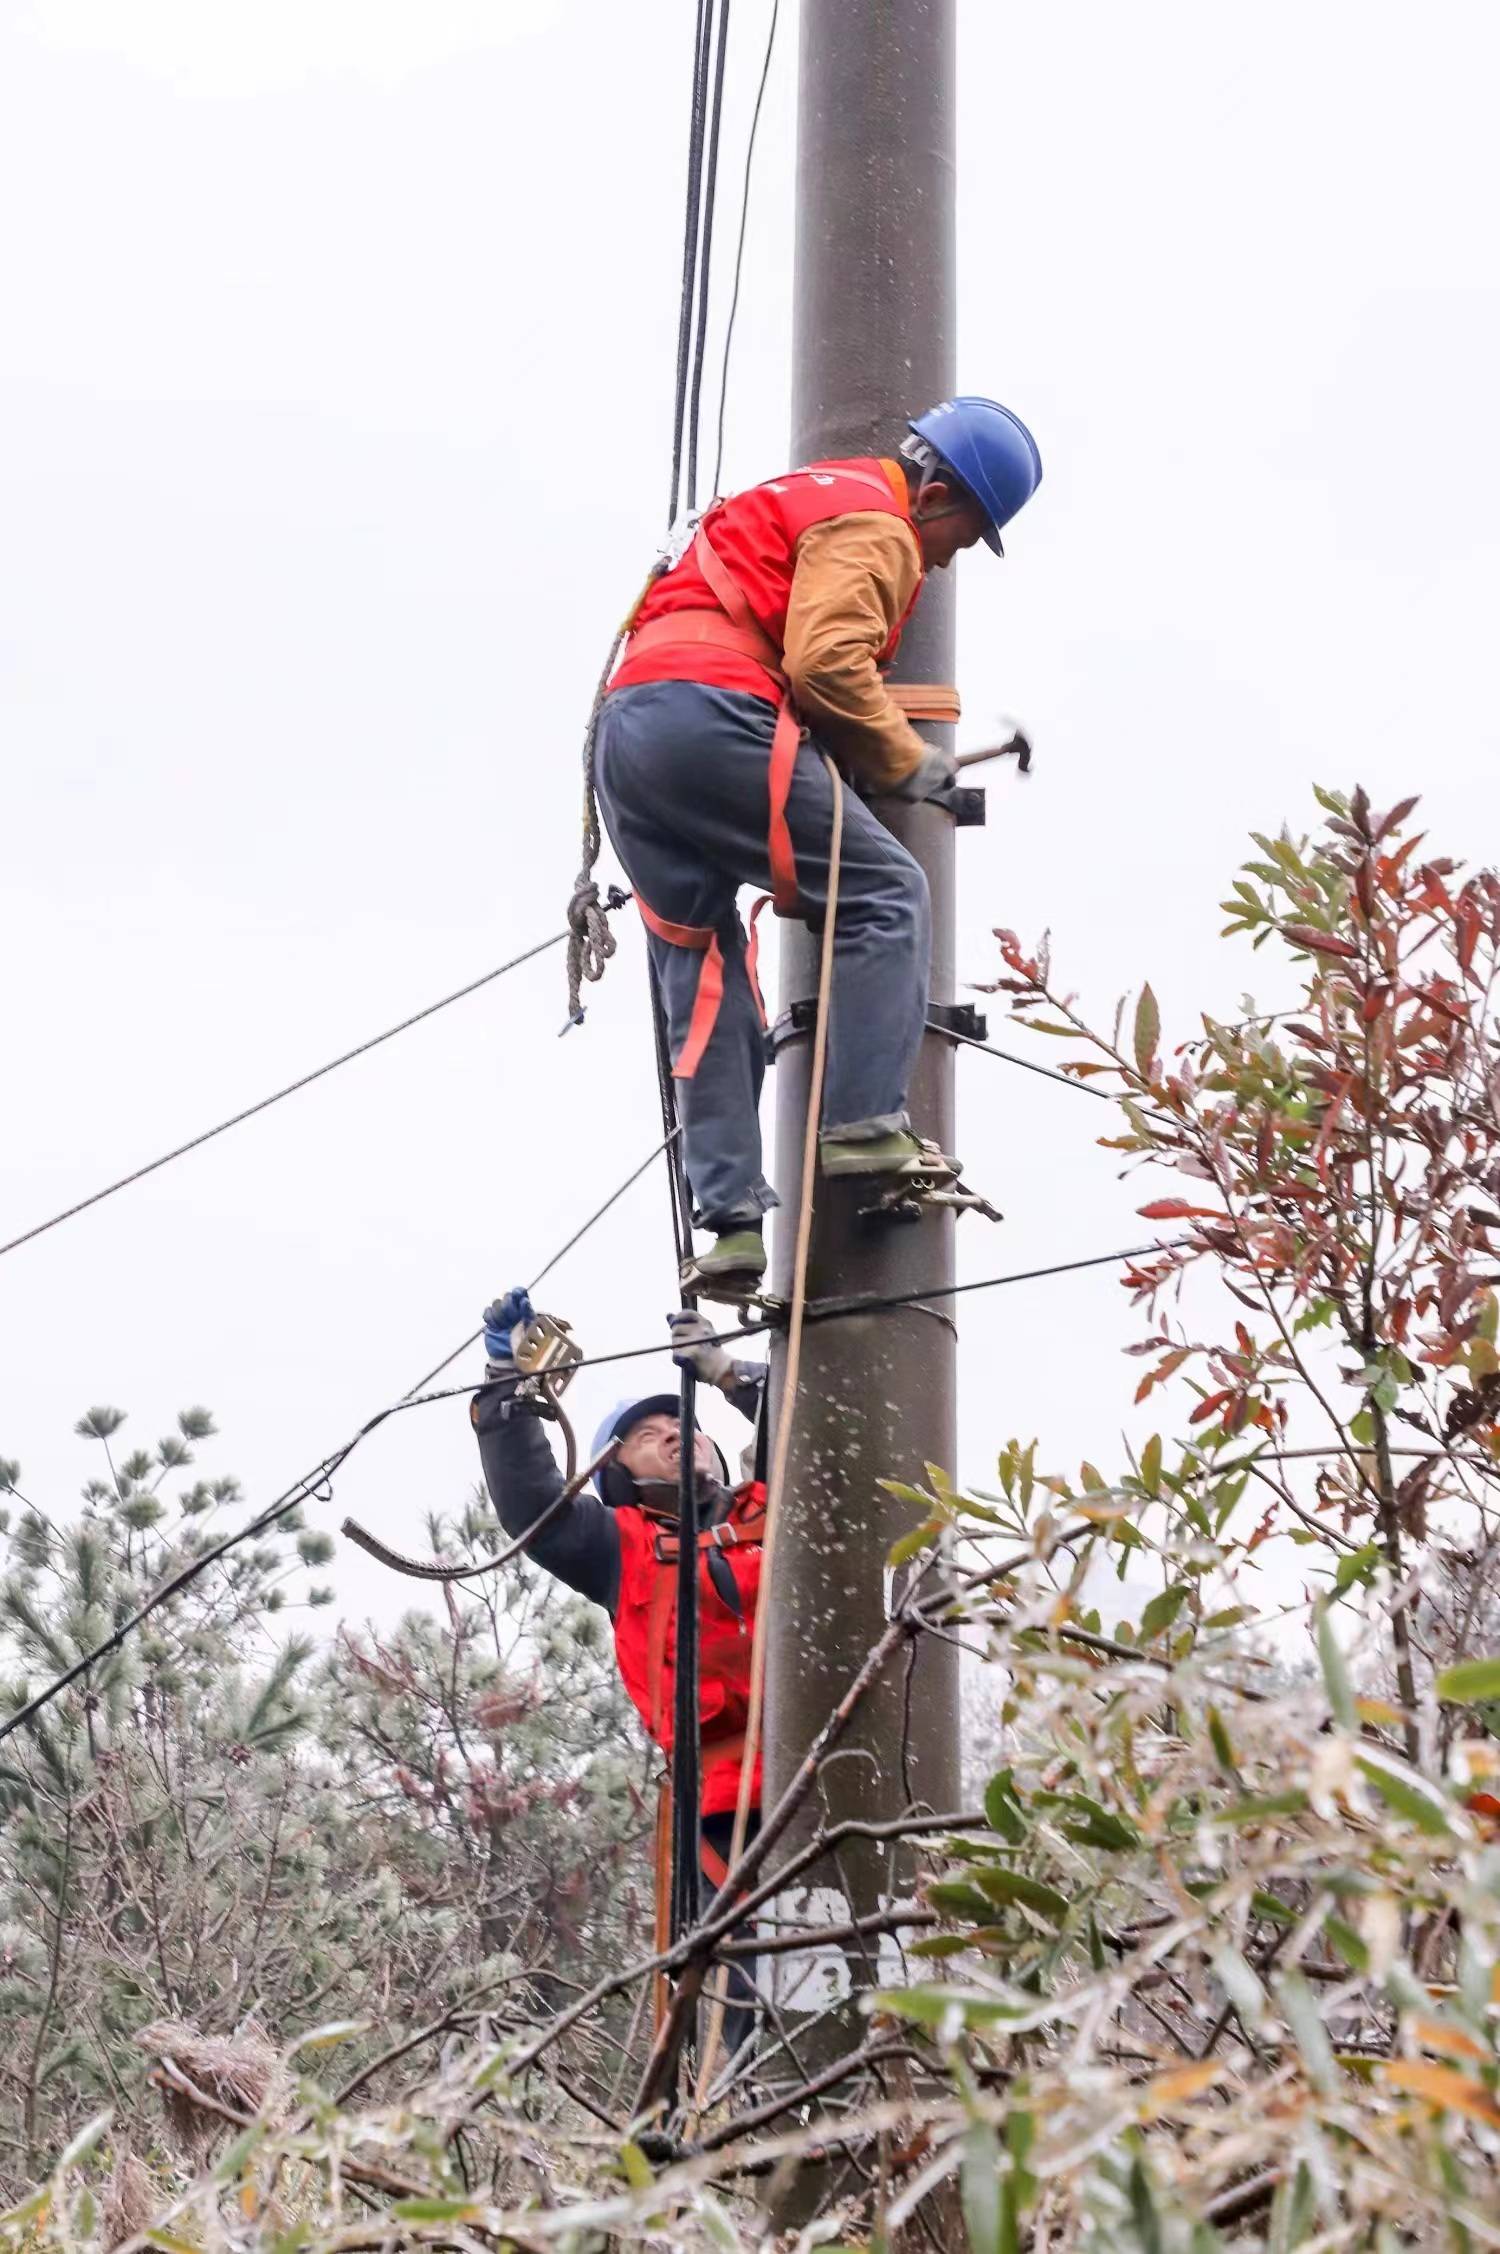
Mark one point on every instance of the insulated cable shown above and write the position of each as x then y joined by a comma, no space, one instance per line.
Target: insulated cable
459,994
739,250
434,1569
696,120
684,1786
1027,1064
705,255
308,1487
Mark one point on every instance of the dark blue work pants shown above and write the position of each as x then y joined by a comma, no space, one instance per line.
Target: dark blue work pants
682,774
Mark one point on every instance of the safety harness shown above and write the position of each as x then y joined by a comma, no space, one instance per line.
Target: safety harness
734,627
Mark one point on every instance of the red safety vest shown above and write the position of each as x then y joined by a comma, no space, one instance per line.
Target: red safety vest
754,536
719,617
646,1635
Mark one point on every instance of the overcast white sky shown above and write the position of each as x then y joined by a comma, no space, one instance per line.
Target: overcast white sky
333,417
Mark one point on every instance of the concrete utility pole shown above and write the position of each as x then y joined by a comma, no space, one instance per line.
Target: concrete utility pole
873,344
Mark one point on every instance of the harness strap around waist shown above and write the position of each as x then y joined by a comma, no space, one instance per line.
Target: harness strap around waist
700,629
696,629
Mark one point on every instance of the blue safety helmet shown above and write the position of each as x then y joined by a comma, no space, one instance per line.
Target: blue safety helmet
614,1485
991,453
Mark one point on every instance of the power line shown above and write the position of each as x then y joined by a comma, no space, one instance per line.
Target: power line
739,251
873,1303
459,994
314,1485
542,1273
696,119
705,253
838,1310
1027,1064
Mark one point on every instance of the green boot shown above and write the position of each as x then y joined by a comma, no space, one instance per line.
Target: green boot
900,1154
737,1259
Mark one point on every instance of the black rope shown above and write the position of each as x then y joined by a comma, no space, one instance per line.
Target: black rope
739,251
697,254
686,1751
681,1200
291,1089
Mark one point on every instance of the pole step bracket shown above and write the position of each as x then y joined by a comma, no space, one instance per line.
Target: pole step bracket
909,1200
958,1018
967,806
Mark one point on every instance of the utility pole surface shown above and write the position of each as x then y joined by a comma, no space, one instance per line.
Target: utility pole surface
874,315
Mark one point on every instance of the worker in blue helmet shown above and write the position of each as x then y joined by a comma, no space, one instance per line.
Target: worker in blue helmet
618,1547
987,449
765,645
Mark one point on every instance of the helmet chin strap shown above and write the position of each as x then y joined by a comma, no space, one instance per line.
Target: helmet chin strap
933,471
658,1498
950,508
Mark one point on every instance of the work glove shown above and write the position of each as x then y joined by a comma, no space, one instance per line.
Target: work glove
692,1348
935,773
502,1318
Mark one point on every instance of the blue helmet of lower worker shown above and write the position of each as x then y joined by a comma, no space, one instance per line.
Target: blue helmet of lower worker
991,453
633,1410
613,1484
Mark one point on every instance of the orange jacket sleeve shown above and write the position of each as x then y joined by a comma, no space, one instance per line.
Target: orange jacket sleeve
855,577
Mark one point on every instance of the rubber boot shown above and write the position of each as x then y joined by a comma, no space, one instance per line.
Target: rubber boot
900,1156
734,1267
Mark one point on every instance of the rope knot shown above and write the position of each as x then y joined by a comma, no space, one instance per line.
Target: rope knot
590,940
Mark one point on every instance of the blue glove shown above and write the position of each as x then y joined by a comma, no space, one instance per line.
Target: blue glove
500,1320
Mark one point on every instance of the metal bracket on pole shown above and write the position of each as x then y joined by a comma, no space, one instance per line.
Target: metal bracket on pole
958,1018
967,804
